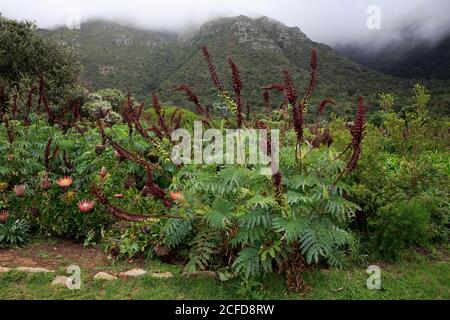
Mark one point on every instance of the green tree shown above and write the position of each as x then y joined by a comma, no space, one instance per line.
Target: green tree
386,101
25,56
421,98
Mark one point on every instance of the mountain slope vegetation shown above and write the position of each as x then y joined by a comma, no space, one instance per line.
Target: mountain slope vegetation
154,61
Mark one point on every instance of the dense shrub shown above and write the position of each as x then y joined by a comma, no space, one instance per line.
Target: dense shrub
14,232
397,226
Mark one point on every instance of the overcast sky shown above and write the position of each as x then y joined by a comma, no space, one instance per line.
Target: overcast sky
328,21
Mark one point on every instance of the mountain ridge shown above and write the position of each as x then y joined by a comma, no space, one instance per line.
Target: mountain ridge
144,61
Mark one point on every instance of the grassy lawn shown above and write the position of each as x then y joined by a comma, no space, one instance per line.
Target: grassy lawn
415,277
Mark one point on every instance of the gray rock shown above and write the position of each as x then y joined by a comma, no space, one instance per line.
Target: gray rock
60,281
4,269
104,276
132,273
34,270
162,275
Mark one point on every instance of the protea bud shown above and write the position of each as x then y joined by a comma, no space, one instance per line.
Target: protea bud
19,190
4,214
103,172
10,157
119,155
45,183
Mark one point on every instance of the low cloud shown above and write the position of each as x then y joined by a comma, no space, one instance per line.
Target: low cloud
329,21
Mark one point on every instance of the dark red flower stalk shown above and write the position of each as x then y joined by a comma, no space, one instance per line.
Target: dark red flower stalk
313,77
155,190
236,77
129,102
177,121
237,88
289,87
43,100
30,99
266,97
194,99
298,119
157,132
9,130
143,132
123,152
160,116
212,70
278,87
131,156
323,104
357,132
67,161
138,113
277,183
119,213
76,110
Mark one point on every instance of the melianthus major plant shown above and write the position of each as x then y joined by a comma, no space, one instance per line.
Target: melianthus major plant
233,218
229,218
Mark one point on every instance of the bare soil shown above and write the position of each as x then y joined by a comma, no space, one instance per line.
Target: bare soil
55,254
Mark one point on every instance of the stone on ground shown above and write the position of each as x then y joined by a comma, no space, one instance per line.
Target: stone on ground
162,275
60,281
4,269
132,273
104,276
34,270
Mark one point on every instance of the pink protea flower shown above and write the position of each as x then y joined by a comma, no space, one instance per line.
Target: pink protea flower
19,190
4,214
64,182
176,196
86,205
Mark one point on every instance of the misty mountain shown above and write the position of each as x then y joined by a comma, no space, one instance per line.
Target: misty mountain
144,61
408,58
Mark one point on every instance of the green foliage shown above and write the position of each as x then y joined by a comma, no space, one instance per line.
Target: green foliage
127,58
397,226
234,210
95,107
131,240
14,232
115,97
386,101
421,97
25,55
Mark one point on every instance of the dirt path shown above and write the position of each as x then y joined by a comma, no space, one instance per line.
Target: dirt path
54,254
